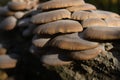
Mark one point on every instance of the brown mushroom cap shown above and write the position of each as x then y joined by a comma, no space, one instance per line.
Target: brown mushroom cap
86,6
86,54
39,41
71,42
16,6
53,4
4,11
93,22
104,33
50,16
60,26
3,51
9,23
113,22
105,14
55,57
19,15
83,15
7,62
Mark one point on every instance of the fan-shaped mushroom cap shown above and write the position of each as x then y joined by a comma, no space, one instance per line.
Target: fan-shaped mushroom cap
39,41
53,4
19,15
94,22
55,58
9,23
3,51
60,26
72,42
7,62
105,14
113,22
4,11
83,15
86,54
104,33
3,75
86,6
17,6
50,16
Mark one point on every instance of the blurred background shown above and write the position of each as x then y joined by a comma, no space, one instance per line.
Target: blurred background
109,5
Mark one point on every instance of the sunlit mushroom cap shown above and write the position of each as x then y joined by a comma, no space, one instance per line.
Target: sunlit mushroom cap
55,58
105,14
93,22
83,15
53,4
8,23
104,33
17,6
50,16
39,41
19,15
86,6
86,54
113,22
60,26
7,62
71,42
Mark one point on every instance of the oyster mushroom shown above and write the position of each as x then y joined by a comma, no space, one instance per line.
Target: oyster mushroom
46,17
8,23
86,6
71,42
85,54
17,6
93,22
57,58
60,26
53,4
19,15
104,33
6,61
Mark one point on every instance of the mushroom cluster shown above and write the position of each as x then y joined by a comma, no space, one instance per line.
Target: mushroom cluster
16,14
61,30
70,30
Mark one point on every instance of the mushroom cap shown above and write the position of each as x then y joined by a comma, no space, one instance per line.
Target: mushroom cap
83,15
39,41
113,22
19,15
71,42
53,4
85,54
86,6
55,57
8,23
50,16
60,26
7,62
3,51
16,6
4,11
105,14
93,22
104,33
3,75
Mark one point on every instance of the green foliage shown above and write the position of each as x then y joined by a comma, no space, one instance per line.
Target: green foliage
109,5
